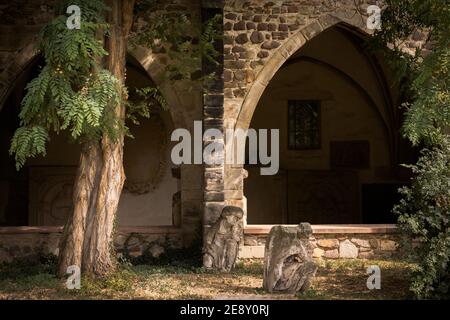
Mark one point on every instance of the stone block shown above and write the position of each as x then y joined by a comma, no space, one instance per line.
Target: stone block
348,250
331,254
328,243
288,264
388,245
318,253
361,242
257,37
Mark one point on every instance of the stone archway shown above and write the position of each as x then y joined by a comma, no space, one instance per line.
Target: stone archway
152,64
242,109
27,55
20,61
254,90
149,182
283,53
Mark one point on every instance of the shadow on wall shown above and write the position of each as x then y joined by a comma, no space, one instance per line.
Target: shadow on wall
41,193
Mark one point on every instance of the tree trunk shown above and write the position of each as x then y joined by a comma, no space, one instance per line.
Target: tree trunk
71,246
87,239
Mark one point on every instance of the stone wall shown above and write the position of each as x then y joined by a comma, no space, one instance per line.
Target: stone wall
256,30
335,246
355,246
128,243
135,243
259,37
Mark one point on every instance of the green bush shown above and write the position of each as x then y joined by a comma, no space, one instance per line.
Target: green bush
424,216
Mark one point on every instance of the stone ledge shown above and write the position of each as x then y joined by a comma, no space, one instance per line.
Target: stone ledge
331,228
251,252
59,229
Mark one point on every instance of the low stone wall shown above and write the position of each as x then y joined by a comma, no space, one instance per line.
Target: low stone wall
29,242
329,242
27,245
366,242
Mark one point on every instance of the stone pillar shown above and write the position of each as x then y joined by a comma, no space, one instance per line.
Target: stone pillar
213,111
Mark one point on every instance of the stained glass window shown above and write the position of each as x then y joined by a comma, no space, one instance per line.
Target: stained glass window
304,124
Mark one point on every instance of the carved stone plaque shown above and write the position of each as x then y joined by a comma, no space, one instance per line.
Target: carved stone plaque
50,196
323,197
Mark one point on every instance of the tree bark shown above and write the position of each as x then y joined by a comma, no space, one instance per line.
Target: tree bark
87,239
71,246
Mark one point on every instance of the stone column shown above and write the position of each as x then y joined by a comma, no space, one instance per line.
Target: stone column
213,111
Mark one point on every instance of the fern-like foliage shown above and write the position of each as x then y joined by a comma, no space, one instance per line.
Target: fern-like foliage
177,34
142,102
73,91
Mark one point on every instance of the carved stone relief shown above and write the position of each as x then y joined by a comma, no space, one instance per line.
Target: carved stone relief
288,263
222,240
145,158
50,195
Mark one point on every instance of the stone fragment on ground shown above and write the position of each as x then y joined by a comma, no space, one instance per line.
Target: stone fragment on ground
288,262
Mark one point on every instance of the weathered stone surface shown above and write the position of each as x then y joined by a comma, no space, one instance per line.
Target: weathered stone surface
288,265
231,16
227,26
257,37
373,243
366,255
331,254
135,251
251,26
251,241
156,250
388,245
120,240
239,26
227,76
364,249
361,242
242,38
348,250
222,240
263,54
268,45
328,243
318,253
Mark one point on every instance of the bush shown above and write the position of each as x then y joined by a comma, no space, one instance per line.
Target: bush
424,215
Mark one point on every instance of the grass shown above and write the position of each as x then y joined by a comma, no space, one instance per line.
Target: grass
339,279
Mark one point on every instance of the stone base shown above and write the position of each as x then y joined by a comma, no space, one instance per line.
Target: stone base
351,245
30,242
